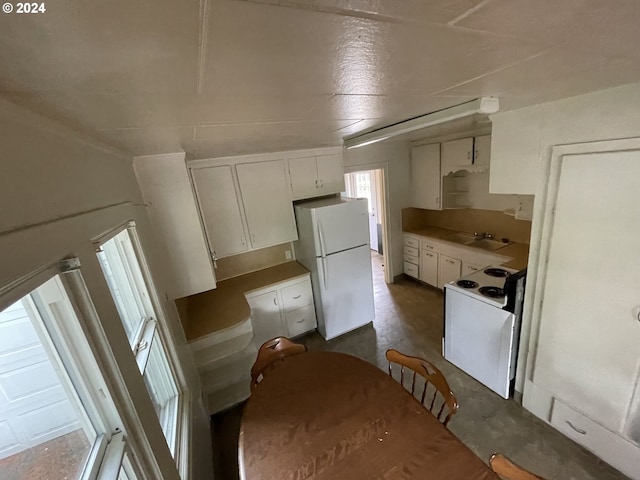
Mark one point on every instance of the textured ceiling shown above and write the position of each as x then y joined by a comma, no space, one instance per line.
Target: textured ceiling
226,77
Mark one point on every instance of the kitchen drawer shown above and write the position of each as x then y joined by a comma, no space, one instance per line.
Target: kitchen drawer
297,296
608,445
411,270
410,241
414,252
428,246
412,258
301,321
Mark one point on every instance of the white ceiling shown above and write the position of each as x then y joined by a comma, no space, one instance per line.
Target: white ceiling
226,77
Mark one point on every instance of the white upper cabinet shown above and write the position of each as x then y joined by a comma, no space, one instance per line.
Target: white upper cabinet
267,203
220,210
426,181
330,173
316,175
456,154
304,177
482,150
171,206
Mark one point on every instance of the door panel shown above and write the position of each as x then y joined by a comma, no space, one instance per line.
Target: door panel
304,177
342,226
33,405
330,173
265,317
267,203
346,288
589,331
220,210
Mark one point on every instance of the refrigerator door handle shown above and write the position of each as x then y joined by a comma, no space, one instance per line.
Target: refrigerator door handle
325,272
321,238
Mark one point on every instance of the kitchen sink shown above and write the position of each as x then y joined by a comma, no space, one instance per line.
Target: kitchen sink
488,244
463,238
477,242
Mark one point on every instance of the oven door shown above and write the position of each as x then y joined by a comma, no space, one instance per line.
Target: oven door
479,339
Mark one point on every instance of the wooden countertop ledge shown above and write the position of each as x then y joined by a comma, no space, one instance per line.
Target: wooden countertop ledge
226,306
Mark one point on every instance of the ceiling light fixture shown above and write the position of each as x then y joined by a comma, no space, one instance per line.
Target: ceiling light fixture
483,105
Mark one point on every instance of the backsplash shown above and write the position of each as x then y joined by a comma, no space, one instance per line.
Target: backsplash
236,265
469,220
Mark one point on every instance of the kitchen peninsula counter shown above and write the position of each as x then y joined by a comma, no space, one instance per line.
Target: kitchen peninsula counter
226,306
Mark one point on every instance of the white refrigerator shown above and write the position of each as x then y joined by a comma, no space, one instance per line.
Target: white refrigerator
333,244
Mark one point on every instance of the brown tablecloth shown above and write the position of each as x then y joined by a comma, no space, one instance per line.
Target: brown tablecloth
325,415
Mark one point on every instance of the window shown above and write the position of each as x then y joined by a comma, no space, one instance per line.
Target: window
121,260
55,411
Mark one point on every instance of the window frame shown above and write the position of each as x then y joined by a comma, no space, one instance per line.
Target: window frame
154,327
69,347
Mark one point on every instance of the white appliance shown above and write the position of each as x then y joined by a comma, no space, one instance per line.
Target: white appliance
333,244
482,325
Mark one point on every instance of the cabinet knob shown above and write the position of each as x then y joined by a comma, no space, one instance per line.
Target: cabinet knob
275,301
297,297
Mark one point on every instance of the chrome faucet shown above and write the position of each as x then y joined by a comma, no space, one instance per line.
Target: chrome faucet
481,236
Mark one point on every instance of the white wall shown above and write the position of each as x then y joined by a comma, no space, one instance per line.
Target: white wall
397,155
521,145
58,192
521,139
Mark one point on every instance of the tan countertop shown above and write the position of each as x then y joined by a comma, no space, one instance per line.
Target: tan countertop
519,252
215,310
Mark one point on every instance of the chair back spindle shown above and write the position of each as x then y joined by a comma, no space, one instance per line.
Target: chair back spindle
442,403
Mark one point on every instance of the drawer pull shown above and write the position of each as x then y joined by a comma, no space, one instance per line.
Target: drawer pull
579,430
297,297
301,320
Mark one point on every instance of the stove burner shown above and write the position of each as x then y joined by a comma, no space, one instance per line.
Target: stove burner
496,272
467,284
492,292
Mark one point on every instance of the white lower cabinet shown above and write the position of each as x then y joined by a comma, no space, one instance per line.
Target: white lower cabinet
411,255
448,269
265,317
429,267
283,309
469,268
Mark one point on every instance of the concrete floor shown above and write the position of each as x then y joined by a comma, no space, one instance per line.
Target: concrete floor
409,318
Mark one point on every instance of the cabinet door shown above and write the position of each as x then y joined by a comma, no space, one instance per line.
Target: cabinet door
267,203
220,210
265,317
469,268
304,177
482,150
330,174
171,206
448,270
429,267
426,182
456,153
589,320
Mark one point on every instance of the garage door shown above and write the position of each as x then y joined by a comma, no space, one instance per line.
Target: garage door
34,406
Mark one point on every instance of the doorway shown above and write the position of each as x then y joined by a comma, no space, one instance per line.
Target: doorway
370,184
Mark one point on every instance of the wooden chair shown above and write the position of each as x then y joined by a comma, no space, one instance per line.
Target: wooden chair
271,352
508,470
431,376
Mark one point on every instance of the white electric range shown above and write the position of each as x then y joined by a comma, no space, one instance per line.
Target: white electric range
482,325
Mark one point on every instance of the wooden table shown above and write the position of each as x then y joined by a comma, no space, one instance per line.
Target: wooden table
326,415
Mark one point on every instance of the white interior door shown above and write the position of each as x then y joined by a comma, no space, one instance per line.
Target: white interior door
364,185
590,331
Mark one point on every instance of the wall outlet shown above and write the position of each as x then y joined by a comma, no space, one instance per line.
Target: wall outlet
287,254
